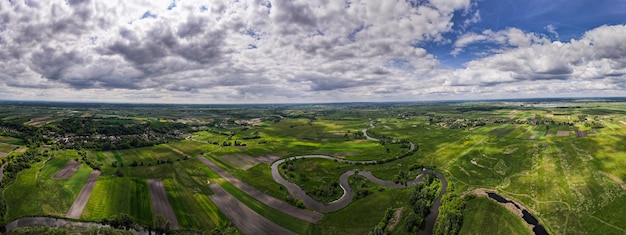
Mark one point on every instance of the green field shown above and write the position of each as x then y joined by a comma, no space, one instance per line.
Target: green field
484,216
35,193
193,210
113,196
571,184
362,215
278,217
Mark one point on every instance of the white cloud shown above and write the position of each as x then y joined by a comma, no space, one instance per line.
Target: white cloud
594,64
552,29
286,51
216,51
510,37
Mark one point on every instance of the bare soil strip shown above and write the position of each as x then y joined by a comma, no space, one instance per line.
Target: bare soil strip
280,205
616,179
246,220
68,170
160,203
2,154
623,122
267,158
562,133
81,200
502,131
240,160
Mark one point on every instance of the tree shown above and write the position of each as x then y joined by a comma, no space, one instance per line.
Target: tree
161,225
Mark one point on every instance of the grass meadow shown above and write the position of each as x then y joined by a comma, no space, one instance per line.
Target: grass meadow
484,216
113,196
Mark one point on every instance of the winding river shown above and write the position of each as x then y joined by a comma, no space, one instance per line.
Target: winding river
348,194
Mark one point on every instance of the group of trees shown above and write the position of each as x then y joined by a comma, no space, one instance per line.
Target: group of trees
15,128
356,135
450,218
380,228
422,197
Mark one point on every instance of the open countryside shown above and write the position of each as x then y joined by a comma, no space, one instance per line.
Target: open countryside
388,168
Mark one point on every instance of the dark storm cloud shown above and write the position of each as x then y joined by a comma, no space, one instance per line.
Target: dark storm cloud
331,83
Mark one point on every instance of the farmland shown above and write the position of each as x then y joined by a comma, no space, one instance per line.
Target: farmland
562,160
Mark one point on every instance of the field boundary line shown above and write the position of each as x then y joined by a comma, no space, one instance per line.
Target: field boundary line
83,197
284,207
604,222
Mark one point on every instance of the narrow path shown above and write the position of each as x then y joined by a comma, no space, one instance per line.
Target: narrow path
306,215
246,219
160,203
604,222
81,200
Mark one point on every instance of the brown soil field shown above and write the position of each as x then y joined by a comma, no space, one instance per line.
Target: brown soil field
337,154
241,160
562,133
3,154
246,220
623,122
273,202
160,203
81,200
581,134
502,131
68,170
267,158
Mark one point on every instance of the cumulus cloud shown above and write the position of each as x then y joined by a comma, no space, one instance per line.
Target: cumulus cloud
510,37
552,29
280,51
218,50
595,62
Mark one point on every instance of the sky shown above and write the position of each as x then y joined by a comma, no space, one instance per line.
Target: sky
302,51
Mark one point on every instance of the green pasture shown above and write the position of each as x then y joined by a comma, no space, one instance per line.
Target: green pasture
484,216
113,196
52,166
317,173
192,209
35,193
362,215
11,140
260,177
278,217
